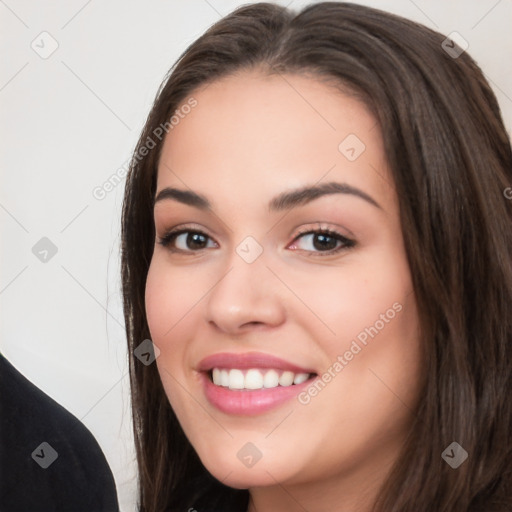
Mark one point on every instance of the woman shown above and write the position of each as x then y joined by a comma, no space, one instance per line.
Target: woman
317,241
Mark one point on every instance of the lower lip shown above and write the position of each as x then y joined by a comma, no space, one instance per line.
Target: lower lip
247,402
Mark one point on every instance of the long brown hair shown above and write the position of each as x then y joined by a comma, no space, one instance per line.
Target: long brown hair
451,163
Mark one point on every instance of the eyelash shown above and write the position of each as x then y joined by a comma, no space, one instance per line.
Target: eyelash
346,243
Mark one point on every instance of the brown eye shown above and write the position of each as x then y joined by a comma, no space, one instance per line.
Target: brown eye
322,241
187,241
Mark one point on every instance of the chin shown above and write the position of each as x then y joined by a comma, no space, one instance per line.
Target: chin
247,481
237,476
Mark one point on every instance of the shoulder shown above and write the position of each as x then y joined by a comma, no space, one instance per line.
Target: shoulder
54,461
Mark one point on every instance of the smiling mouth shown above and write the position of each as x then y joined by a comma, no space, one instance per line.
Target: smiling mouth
256,378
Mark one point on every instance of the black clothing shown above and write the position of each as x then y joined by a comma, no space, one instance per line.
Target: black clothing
49,461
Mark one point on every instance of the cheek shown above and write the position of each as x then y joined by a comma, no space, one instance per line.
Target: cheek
168,302
170,295
367,327
368,293
374,356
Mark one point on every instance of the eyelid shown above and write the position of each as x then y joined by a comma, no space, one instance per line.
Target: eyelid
324,227
174,232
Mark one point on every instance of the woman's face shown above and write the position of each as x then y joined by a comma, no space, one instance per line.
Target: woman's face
289,264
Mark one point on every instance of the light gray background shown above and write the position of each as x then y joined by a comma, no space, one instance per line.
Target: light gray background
69,122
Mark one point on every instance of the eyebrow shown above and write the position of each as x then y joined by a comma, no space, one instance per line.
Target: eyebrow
284,201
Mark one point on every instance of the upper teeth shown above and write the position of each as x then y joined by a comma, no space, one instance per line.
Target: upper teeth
256,379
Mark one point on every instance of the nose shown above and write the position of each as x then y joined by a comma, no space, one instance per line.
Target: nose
247,296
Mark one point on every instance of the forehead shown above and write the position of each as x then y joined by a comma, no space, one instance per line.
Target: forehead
259,133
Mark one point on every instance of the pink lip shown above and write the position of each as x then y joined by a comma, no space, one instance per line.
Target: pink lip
246,402
248,360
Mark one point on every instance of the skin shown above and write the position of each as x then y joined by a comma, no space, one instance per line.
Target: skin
250,138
